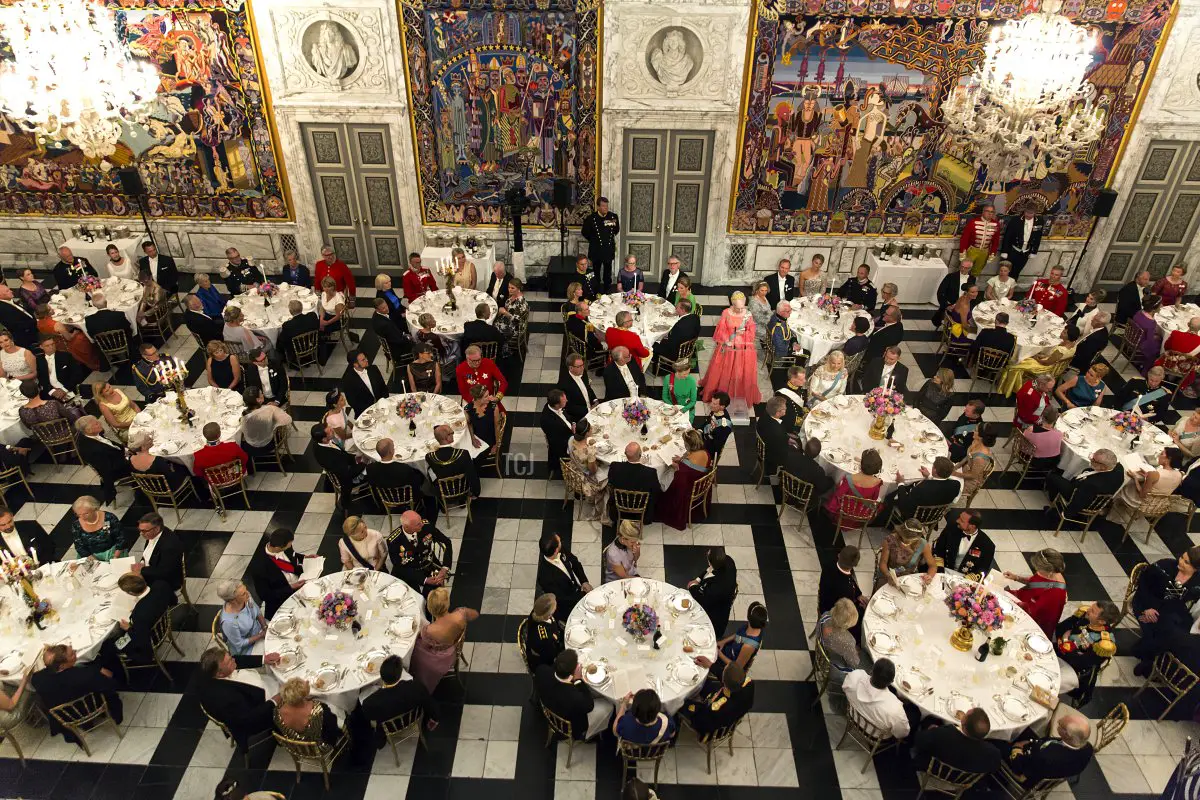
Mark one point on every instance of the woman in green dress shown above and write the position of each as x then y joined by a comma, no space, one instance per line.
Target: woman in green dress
680,388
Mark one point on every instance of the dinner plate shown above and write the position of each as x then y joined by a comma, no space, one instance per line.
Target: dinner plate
884,642
395,593
681,602
956,702
401,627
1038,643
1039,678
283,624
914,682
12,663
683,672
290,658
594,603
372,659
636,587
325,679
700,637
1012,707
578,636
884,606
595,674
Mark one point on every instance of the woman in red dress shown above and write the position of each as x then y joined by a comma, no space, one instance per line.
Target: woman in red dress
692,466
1045,592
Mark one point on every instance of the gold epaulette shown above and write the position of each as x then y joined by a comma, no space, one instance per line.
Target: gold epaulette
1106,647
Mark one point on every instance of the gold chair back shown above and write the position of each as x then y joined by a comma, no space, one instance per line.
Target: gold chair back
319,754
225,475
489,349
1171,679
394,498
1135,576
796,493
304,351
939,776
1131,342
631,503
114,345
822,668
158,489
701,494
454,492
560,726
1110,726
83,715
56,436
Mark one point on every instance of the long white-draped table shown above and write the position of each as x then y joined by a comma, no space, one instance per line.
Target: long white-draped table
383,421
651,321
615,663
11,400
841,423
96,252
610,434
1034,333
86,603
177,441
71,307
819,332
450,323
266,315
915,278
912,627
1175,318
337,663
1086,430
431,256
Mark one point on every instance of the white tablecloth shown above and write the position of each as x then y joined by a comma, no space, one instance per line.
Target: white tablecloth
269,319
381,421
449,324
70,307
96,252
611,434
11,400
948,680
1175,318
179,442
817,333
841,424
653,323
295,629
1031,337
88,606
632,665
915,279
1086,430
483,262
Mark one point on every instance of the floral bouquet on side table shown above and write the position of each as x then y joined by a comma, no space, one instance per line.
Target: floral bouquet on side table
633,298
408,407
338,610
1128,422
829,303
635,413
974,607
883,402
640,621
89,284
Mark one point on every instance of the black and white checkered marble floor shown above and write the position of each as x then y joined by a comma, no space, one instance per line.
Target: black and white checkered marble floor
491,740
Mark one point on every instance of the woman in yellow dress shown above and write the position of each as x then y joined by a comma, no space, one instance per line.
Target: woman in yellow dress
465,277
116,407
1043,362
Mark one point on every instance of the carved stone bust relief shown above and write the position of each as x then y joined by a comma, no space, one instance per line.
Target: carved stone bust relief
330,49
674,55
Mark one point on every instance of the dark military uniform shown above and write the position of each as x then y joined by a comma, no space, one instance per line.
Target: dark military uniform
858,294
242,276
414,561
783,341
587,282
795,411
1083,645
543,641
601,232
715,432
147,382
719,710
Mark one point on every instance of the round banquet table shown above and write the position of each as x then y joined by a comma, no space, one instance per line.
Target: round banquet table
1086,430
87,605
841,424
664,440
1175,318
595,632
70,307
816,331
269,319
179,442
1031,338
913,629
653,323
11,400
450,323
391,615
381,421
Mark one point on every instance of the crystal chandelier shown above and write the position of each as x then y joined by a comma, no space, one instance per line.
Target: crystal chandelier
1028,109
71,77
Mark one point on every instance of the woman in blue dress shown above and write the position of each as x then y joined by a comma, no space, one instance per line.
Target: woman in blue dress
212,300
1083,390
630,277
742,646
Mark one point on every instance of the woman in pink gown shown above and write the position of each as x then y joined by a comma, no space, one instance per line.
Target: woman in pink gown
734,366
435,650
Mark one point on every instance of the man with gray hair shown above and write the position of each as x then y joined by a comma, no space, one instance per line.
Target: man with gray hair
70,268
1092,341
162,560
622,335
330,266
784,343
1032,400
16,320
634,476
101,454
1103,477
623,376
299,323
1063,756
774,435
890,333
108,320
201,324
1179,350
1150,395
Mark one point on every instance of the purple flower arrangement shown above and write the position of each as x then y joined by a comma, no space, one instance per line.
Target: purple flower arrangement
1128,422
883,402
337,610
974,607
640,620
267,289
408,407
1027,306
89,284
829,303
635,413
633,298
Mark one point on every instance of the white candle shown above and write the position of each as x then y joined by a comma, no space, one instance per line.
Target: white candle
33,553
1136,404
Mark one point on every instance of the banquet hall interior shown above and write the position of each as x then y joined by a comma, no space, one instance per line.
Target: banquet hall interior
702,398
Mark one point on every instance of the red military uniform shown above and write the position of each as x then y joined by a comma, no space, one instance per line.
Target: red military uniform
416,284
486,374
623,337
1180,345
1030,403
1051,296
979,241
341,277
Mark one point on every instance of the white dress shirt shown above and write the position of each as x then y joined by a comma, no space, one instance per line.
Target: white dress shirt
879,706
153,263
627,376
559,413
672,277
12,540
581,382
556,561
264,376
964,546
782,287
55,383
366,378
888,369
150,545
1028,234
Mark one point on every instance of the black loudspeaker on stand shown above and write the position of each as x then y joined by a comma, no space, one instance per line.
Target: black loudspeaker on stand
131,184
1105,200
563,198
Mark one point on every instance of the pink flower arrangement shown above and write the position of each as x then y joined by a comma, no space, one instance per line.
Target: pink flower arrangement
1027,306
974,607
635,413
640,620
829,303
89,284
883,402
408,407
1128,422
267,289
337,610
633,298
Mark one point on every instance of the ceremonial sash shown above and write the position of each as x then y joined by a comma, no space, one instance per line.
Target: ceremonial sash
916,557
791,395
284,564
354,552
963,430
1046,585
674,402
1148,397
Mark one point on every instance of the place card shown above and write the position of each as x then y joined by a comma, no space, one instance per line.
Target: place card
644,647
331,637
370,613
622,641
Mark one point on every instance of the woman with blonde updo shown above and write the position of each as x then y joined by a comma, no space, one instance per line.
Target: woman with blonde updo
437,644
361,546
299,716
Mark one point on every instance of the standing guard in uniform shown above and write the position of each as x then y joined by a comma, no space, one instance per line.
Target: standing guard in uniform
980,238
601,229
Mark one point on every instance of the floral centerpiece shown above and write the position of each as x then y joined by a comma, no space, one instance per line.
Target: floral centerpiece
338,610
635,413
89,284
408,407
973,607
633,298
18,573
1128,422
829,304
1027,306
640,620
882,402
267,289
